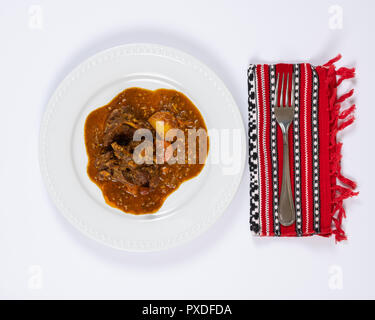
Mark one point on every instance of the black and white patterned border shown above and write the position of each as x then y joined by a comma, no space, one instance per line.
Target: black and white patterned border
315,146
297,159
255,221
274,155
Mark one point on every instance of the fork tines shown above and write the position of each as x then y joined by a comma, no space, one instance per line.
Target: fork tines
275,102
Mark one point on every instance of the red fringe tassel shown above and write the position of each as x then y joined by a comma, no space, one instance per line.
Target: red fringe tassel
332,61
339,121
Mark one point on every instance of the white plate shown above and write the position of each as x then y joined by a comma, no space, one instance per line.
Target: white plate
187,212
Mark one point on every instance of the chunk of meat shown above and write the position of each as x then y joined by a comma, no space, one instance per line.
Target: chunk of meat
168,120
124,155
104,175
137,124
139,177
101,162
129,187
122,134
154,182
118,127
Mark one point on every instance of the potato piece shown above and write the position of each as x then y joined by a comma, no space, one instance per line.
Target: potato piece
166,117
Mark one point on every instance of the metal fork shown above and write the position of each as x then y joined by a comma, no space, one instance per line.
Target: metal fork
284,116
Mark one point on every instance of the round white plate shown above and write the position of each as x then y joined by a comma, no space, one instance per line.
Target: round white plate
187,212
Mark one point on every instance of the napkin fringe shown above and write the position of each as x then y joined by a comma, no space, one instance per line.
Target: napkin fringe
339,120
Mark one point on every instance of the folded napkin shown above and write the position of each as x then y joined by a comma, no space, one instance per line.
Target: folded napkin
318,185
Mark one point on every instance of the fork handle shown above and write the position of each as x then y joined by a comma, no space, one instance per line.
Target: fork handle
286,212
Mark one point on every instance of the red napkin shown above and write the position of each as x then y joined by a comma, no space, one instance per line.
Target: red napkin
318,185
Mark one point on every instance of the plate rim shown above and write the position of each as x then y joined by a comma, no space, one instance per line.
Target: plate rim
136,245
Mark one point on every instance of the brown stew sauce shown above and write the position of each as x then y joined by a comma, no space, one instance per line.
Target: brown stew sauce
143,188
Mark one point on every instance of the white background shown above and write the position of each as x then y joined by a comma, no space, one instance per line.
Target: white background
43,256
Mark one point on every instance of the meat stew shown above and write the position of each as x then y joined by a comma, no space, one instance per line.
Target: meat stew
133,187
